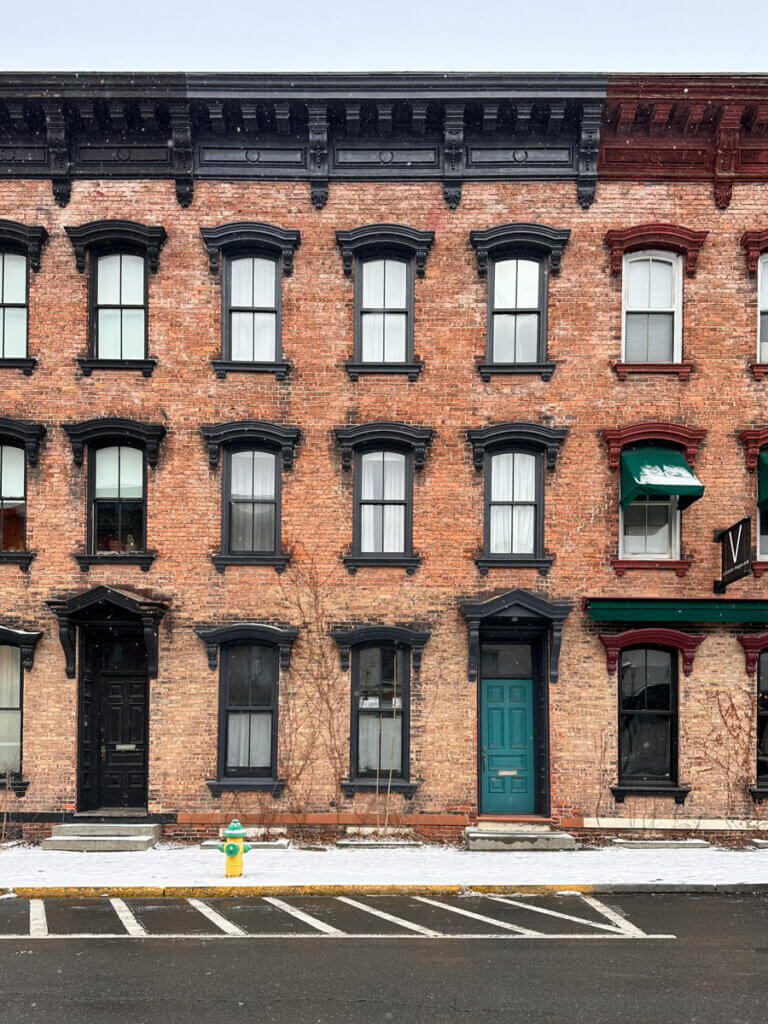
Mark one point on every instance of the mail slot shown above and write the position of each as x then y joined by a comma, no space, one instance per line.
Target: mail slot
132,746
507,771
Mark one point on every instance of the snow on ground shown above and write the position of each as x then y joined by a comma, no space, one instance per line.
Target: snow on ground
174,865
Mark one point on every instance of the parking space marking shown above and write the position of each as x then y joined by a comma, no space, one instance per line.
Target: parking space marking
129,922
38,923
314,922
626,926
429,932
556,913
480,917
228,927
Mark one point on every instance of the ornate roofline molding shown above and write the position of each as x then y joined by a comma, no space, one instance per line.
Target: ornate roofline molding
29,240
402,436
491,243
686,643
26,433
400,636
245,234
272,435
753,439
146,435
24,640
247,632
655,236
754,644
410,241
117,232
755,244
501,435
686,438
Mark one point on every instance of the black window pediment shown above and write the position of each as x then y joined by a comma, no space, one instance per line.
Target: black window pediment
255,432
26,433
251,237
399,636
120,431
392,435
509,239
24,239
23,639
516,435
385,238
117,234
248,632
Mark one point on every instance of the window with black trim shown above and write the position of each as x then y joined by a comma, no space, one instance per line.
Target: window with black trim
514,483
648,716
13,501
13,306
380,713
383,499
517,310
248,711
251,309
11,688
116,478
762,720
119,317
252,496
384,310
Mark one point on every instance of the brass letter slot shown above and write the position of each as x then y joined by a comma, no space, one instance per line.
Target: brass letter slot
507,771
125,746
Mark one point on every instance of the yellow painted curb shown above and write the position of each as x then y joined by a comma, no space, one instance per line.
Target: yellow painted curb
210,891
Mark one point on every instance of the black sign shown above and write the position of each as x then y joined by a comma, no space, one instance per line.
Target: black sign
736,548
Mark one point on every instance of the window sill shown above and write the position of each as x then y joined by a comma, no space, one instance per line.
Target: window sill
143,559
219,786
679,565
26,365
649,789
16,784
146,366
408,562
20,558
351,786
758,568
225,366
681,370
759,370
488,370
486,563
758,793
278,562
409,370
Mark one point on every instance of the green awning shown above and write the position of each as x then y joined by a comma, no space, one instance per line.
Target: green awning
670,611
762,479
656,471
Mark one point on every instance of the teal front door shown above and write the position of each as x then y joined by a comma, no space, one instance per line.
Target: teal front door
508,784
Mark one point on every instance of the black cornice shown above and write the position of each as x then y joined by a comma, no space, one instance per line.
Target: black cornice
24,239
501,435
508,237
399,237
401,436
273,435
26,433
145,435
247,632
400,636
117,232
23,639
250,235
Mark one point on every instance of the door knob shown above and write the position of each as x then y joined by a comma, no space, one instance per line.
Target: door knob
485,763
103,752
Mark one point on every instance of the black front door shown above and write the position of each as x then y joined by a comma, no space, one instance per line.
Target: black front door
113,719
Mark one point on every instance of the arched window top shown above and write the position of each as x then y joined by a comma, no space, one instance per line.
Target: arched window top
258,433
372,239
501,436
377,635
754,440
386,435
251,238
665,639
23,639
25,434
100,235
521,239
23,239
109,430
754,644
248,633
669,237
687,438
755,244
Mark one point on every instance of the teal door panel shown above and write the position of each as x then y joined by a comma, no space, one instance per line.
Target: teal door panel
508,783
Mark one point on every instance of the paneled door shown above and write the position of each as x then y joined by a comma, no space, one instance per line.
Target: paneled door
507,769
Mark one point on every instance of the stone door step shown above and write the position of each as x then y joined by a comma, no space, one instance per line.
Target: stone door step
524,827
373,843
662,844
114,828
102,838
482,839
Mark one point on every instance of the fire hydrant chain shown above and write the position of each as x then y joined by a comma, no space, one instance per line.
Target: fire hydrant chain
234,848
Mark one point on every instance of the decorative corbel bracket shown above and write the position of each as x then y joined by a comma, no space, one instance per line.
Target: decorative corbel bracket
145,435
272,435
755,243
26,433
589,145
727,153
503,435
508,238
673,433
149,239
24,640
400,636
453,153
29,240
181,153
754,644
58,151
686,643
656,236
318,154
754,440
248,632
400,436
251,236
412,242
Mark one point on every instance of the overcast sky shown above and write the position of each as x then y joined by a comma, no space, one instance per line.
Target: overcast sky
392,35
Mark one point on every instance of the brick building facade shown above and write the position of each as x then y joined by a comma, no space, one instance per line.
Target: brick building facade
362,441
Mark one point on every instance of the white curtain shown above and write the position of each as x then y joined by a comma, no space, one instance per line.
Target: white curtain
380,744
249,740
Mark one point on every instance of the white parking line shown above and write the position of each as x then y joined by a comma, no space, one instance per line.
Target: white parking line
38,923
626,926
228,927
321,926
390,917
556,913
479,917
129,922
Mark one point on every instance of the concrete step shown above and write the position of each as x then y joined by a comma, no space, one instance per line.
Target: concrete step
482,839
100,844
83,828
661,844
526,827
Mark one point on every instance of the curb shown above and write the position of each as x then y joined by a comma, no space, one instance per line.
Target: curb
213,891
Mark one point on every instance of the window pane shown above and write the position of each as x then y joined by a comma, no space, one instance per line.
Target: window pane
391,744
133,526
634,529
523,529
108,281
394,337
501,529
632,677
371,527
661,285
388,662
264,527
372,331
264,283
504,338
660,337
394,476
763,542
527,348
638,291
14,278
238,728
241,278
636,338
373,284
133,334
131,473
263,475
380,744
645,746
525,477
241,483
502,476
659,680
252,674
12,470
132,291
658,532
506,661
241,526
13,516
763,337
368,683
108,334
527,284
263,337
10,677
372,477
14,342
107,461
106,526
242,337
763,283
394,528
10,741
394,284
260,755
505,284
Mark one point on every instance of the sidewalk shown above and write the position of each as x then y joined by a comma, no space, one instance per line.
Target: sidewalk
167,867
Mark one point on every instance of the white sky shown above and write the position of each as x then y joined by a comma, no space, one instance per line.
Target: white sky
393,35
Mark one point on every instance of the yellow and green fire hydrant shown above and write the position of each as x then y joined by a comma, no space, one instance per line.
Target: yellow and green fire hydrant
234,847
